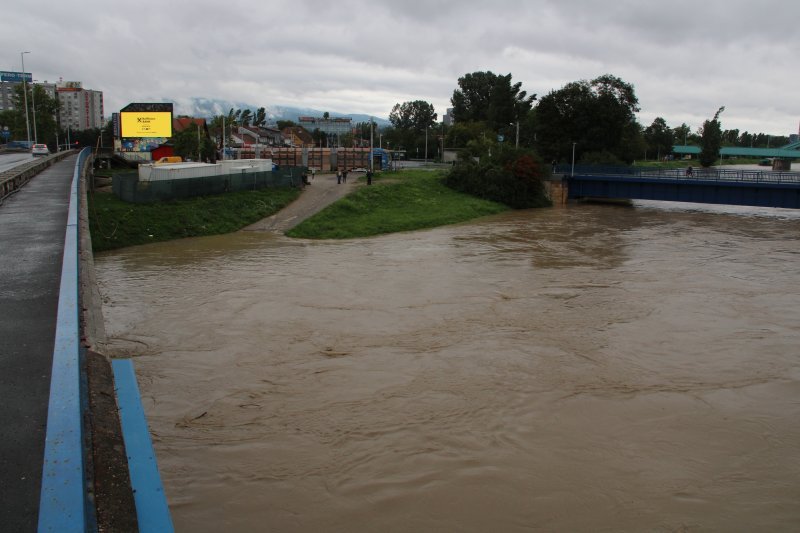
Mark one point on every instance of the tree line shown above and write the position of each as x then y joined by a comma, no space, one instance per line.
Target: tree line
593,119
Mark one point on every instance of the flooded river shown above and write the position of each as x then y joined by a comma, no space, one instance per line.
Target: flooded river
592,368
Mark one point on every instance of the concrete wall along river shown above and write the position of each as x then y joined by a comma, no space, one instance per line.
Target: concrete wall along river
592,368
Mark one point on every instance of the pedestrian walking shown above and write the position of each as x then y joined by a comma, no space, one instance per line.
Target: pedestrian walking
338,176
344,176
369,177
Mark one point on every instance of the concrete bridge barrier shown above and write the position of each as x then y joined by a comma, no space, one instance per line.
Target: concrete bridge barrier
12,180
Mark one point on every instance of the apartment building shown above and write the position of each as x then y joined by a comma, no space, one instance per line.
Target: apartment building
81,108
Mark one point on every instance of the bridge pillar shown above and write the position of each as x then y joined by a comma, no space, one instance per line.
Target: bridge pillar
557,189
781,164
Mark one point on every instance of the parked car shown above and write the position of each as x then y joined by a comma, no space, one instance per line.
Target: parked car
40,149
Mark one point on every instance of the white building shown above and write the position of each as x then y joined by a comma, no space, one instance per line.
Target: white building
81,109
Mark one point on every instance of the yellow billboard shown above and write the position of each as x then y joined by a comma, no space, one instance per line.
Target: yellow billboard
145,124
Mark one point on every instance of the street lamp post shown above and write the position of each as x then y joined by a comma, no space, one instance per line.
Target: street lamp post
572,173
426,145
25,94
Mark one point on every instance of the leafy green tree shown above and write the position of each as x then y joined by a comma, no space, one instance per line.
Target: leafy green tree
730,137
681,134
659,137
285,124
215,129
414,116
245,117
233,117
592,116
462,133
42,122
711,140
347,140
260,119
410,121
9,119
189,144
491,98
319,137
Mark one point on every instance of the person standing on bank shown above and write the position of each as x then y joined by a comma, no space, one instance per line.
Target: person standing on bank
344,176
338,176
369,177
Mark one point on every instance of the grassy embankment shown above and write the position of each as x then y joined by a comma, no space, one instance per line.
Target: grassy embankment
116,224
402,201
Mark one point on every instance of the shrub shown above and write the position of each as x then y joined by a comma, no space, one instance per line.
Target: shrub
512,177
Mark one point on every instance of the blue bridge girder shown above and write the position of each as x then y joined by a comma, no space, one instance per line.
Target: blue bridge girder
710,186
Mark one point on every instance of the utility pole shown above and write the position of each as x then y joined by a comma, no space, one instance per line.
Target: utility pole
33,105
371,157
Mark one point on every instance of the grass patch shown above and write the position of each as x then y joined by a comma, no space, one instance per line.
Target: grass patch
116,224
402,201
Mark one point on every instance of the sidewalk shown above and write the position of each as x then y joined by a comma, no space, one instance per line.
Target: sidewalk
322,191
32,225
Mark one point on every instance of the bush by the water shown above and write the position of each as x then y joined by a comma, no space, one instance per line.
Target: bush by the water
511,177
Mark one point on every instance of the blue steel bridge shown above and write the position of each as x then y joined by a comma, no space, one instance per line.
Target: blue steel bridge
710,186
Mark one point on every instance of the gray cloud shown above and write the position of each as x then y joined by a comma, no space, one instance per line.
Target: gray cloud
684,58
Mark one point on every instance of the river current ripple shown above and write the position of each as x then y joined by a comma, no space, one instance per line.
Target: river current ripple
592,368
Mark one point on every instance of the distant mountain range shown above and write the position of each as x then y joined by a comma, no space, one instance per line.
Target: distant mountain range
206,108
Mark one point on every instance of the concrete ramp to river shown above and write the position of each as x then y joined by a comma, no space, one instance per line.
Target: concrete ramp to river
322,191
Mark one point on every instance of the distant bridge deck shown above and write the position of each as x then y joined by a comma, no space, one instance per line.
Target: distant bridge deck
789,151
711,186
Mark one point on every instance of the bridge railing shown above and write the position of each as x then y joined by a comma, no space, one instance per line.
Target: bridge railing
707,174
64,503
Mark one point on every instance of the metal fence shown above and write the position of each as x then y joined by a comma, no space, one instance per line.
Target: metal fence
708,174
129,188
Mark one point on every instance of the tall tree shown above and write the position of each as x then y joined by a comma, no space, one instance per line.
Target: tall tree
260,119
682,133
592,116
491,98
411,121
711,140
659,137
413,116
246,117
192,143
42,112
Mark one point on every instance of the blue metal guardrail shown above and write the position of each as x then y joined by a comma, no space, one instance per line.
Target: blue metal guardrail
64,504
152,511
707,174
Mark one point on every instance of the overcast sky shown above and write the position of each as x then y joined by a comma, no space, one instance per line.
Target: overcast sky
684,58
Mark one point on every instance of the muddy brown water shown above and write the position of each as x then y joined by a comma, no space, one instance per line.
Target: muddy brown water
593,368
